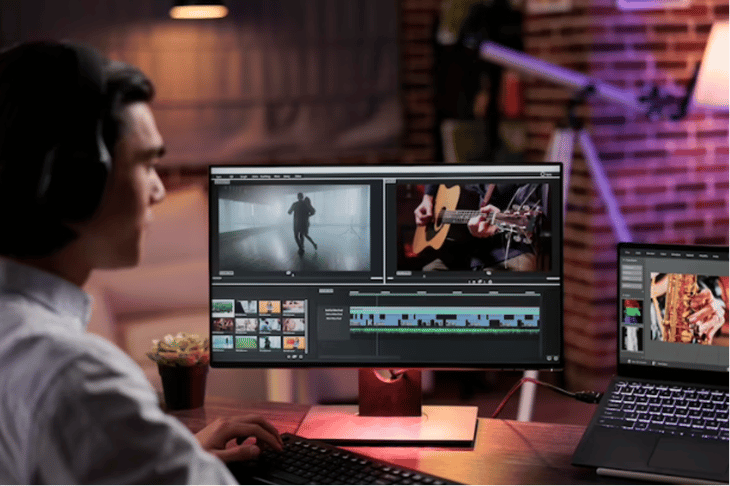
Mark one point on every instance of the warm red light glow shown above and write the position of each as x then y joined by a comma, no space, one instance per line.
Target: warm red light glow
199,12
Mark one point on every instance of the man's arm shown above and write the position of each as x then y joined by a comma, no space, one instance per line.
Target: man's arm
100,423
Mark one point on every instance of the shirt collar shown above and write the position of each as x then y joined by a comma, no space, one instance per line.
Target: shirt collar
51,291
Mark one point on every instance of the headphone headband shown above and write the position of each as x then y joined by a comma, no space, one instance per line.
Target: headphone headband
55,92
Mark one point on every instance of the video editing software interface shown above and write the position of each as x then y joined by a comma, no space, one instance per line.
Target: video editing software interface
673,306
381,266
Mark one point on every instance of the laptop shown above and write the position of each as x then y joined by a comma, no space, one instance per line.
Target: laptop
664,416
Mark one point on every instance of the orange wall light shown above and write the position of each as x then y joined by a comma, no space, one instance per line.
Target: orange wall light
198,10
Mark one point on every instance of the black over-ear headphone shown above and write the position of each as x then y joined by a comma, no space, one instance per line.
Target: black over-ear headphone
63,94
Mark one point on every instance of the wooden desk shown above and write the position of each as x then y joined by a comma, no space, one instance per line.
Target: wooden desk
505,451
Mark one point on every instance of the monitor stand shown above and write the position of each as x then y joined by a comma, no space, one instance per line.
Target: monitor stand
390,413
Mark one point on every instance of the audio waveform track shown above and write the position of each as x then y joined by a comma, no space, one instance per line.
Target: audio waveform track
456,319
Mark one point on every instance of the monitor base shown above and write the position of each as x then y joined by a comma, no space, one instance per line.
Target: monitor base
446,426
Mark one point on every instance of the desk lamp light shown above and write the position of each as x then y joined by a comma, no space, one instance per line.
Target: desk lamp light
711,87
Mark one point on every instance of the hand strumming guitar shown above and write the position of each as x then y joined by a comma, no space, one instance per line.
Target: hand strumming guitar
424,211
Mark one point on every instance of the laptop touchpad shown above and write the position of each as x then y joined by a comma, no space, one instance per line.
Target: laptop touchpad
676,454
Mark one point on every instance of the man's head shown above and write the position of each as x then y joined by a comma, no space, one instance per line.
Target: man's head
300,196
76,154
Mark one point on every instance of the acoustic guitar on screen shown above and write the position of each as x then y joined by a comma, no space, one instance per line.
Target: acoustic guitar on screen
518,223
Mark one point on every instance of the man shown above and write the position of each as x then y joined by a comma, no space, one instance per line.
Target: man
302,209
74,408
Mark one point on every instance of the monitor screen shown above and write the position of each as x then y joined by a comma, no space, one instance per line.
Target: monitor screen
427,266
672,307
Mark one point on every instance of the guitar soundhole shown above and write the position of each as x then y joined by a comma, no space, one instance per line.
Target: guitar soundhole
438,219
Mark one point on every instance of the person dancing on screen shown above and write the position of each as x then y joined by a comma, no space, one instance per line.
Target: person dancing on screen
302,211
311,212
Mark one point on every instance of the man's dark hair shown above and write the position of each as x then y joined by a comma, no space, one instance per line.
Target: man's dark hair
125,84
29,230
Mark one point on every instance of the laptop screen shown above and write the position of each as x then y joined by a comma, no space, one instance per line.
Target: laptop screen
673,309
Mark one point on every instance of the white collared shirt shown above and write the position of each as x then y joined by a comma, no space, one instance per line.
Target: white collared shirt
74,408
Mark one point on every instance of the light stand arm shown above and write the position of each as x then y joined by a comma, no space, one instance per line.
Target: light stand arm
519,61
653,104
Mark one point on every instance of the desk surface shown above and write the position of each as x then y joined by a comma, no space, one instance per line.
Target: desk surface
505,451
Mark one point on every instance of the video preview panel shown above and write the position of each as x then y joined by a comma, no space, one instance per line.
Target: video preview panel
689,308
293,229
475,226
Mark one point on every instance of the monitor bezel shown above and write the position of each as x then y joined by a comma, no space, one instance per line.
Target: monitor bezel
460,366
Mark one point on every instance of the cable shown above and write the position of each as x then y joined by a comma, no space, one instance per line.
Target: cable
583,396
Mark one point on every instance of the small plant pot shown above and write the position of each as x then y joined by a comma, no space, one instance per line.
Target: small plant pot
183,386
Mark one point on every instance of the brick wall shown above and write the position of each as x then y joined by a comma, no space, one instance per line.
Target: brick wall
418,21
670,177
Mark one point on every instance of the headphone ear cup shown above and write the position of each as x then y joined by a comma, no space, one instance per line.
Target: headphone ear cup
78,184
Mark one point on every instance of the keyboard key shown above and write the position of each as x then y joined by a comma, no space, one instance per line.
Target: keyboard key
681,412
628,408
610,422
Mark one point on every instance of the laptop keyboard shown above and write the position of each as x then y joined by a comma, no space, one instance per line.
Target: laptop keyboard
665,409
307,461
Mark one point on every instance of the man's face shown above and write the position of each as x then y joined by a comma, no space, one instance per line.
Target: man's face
115,234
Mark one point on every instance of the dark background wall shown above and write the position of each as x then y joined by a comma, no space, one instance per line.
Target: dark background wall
670,178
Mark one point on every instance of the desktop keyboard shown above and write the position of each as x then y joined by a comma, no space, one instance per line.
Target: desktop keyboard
307,461
669,410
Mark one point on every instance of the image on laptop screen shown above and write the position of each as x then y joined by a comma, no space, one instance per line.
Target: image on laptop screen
673,307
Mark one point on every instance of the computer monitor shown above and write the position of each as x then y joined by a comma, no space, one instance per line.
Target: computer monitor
327,266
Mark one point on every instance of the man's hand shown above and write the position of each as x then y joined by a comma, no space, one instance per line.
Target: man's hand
481,226
708,315
227,439
424,211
